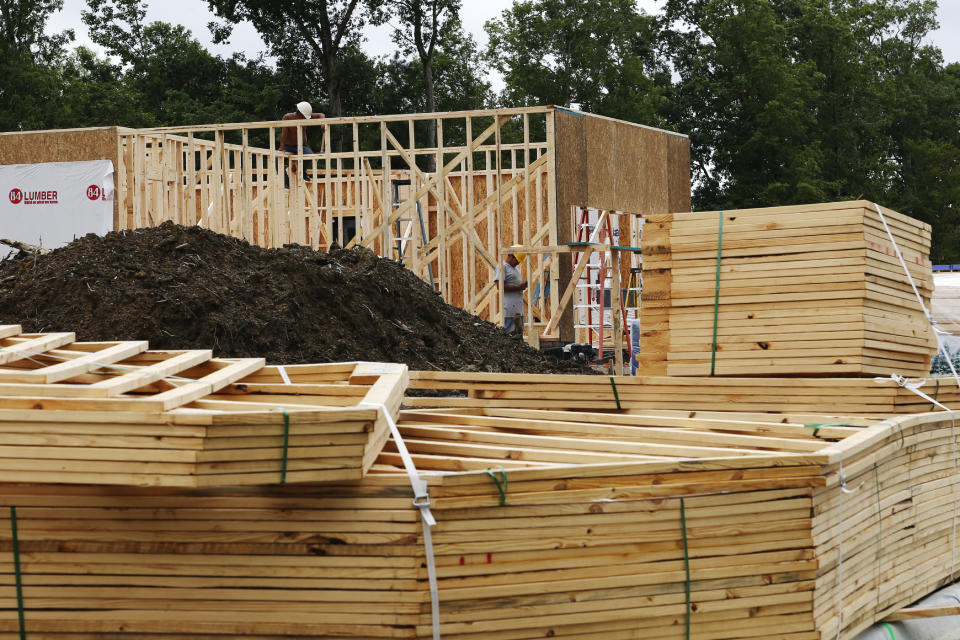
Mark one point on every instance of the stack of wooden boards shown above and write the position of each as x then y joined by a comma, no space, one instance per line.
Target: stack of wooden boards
819,396
712,528
802,290
579,525
117,413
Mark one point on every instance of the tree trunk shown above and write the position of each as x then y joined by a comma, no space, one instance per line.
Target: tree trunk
333,93
431,107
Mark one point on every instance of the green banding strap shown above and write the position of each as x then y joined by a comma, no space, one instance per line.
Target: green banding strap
886,625
501,487
616,396
817,426
936,391
686,561
286,445
716,297
16,570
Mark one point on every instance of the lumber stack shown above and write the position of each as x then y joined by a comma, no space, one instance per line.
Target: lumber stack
817,396
802,290
549,524
118,413
587,539
889,534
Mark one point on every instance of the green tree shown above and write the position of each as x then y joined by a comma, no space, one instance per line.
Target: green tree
316,32
175,78
422,24
29,82
791,101
600,55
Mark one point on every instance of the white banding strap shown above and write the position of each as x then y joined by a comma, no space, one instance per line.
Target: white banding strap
421,500
283,374
914,387
843,490
926,312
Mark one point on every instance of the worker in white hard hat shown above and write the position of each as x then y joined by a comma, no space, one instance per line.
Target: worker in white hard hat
513,287
288,135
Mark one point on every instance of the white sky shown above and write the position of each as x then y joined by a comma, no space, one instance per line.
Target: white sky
194,15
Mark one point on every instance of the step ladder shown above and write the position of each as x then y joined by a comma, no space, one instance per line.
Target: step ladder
595,283
403,235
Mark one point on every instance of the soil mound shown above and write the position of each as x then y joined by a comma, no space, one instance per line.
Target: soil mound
187,287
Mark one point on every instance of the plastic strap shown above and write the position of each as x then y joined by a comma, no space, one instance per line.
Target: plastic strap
501,487
817,426
421,500
914,387
686,561
286,445
616,396
936,392
886,625
283,374
15,539
716,297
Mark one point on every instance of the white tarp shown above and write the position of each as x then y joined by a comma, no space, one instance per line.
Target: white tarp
52,203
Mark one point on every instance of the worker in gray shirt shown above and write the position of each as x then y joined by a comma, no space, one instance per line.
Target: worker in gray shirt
513,286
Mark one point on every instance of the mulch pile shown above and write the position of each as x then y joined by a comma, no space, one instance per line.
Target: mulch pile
190,288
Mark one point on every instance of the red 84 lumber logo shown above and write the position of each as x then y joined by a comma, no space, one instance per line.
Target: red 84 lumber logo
94,192
16,196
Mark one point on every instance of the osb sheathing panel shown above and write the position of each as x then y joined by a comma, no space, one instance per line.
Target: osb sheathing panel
606,164
571,170
71,145
678,174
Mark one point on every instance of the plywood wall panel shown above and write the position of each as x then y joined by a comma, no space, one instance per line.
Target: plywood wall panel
651,193
678,174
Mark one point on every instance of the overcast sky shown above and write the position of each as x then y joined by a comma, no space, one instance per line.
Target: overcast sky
194,15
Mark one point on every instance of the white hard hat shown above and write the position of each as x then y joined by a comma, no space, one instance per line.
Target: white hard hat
305,109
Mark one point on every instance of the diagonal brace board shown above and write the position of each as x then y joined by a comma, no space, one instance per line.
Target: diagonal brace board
407,206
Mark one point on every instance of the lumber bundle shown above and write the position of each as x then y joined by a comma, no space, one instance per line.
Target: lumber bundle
886,525
549,524
588,538
118,413
785,291
817,396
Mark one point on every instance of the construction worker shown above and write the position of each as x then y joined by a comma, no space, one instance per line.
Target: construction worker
513,286
288,135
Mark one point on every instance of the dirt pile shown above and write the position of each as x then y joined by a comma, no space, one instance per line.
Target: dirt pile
181,287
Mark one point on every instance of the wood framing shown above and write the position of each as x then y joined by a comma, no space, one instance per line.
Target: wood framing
503,177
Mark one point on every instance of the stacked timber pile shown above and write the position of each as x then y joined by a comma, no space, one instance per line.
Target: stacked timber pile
885,525
565,524
117,413
817,396
803,290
